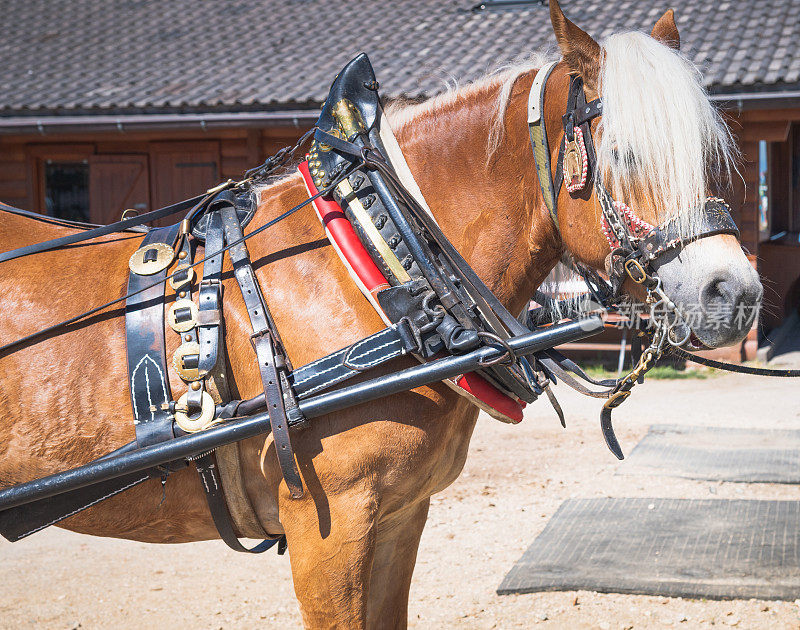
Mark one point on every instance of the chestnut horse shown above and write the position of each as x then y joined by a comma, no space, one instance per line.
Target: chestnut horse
368,471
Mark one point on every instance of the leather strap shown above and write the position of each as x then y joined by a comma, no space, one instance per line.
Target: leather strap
63,241
729,367
147,367
538,133
211,365
350,361
336,368
21,521
264,343
209,310
217,505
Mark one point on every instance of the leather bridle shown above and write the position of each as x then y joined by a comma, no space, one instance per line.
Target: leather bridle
635,244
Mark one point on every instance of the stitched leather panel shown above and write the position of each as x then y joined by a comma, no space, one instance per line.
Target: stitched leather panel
147,366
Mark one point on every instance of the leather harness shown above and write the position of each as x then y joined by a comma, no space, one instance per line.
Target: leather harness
432,300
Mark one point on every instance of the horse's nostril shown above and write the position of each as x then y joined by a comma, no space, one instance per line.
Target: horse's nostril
718,292
729,299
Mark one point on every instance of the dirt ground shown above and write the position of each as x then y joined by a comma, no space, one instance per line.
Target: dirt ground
514,480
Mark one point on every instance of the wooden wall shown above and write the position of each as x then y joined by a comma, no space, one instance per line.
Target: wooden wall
777,259
15,185
216,156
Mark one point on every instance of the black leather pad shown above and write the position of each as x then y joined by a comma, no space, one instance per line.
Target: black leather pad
245,208
356,82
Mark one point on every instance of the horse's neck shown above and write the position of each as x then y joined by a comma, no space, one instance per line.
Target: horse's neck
489,209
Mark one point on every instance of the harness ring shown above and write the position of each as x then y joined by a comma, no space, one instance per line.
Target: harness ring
509,357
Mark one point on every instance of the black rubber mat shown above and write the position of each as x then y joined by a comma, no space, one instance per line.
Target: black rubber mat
707,548
717,454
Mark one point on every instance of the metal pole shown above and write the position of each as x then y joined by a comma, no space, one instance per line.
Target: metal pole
236,430
622,344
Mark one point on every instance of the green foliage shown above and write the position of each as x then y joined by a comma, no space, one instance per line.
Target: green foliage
659,372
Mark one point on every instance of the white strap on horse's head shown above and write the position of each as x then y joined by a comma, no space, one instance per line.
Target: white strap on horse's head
536,95
538,134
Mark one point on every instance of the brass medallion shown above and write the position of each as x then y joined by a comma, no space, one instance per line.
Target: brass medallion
151,259
182,315
573,164
200,422
186,361
182,279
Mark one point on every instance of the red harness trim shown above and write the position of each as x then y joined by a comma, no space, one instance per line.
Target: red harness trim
636,226
344,238
488,394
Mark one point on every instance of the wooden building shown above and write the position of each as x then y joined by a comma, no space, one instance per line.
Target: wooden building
90,173
98,115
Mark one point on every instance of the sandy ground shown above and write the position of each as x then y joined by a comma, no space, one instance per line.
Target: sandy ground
514,480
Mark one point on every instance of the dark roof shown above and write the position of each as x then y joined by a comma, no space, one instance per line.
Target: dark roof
78,56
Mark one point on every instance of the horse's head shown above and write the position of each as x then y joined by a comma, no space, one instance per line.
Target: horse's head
657,152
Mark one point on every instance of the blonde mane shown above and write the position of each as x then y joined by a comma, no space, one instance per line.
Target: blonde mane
661,140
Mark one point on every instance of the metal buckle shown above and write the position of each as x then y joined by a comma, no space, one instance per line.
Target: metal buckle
617,398
260,333
635,271
211,282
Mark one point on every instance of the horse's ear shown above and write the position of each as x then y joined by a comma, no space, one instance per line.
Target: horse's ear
580,51
666,31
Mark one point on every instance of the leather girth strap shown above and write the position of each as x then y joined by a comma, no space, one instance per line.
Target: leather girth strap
217,505
272,361
147,369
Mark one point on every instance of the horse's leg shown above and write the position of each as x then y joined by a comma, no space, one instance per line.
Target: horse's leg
331,547
397,540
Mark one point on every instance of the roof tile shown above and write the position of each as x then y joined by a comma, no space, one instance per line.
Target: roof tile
182,54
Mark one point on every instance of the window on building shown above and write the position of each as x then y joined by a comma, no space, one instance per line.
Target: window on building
783,183
763,189
66,189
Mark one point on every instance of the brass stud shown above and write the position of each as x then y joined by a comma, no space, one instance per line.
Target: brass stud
196,385
182,294
182,255
187,337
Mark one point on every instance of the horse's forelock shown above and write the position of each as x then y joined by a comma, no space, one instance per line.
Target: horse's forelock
660,135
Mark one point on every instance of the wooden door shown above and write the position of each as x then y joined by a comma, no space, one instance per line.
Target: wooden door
116,183
182,170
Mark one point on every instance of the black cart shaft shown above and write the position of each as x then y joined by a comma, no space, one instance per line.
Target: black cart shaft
235,430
